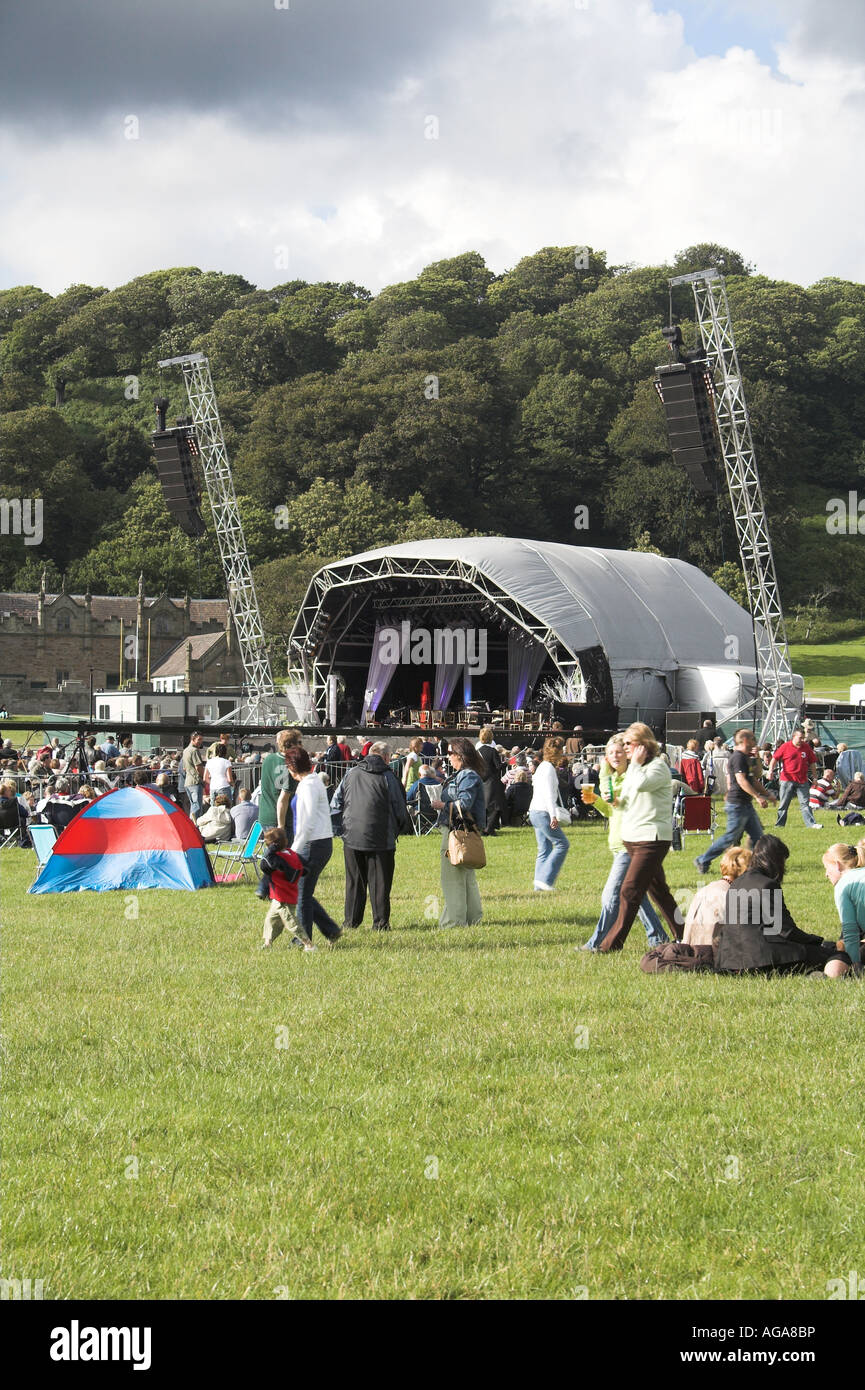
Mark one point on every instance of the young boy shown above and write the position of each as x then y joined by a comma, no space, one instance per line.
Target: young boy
282,868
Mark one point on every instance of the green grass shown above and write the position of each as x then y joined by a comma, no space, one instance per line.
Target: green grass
307,1171
830,668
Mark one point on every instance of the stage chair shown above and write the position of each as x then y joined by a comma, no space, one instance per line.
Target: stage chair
415,718
437,718
449,718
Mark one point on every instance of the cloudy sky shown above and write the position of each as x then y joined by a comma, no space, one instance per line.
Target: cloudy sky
361,139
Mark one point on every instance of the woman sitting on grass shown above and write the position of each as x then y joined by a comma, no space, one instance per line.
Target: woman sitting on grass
707,907
613,770
758,935
845,870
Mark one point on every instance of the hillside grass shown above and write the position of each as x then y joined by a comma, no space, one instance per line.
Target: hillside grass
830,668
473,1113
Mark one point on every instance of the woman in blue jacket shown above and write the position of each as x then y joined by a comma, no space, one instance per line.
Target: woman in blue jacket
462,898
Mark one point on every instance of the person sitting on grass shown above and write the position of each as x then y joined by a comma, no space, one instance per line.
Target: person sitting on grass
853,795
282,869
215,824
707,905
757,933
845,870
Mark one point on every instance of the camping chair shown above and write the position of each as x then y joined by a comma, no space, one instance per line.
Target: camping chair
694,815
43,837
422,814
239,853
10,824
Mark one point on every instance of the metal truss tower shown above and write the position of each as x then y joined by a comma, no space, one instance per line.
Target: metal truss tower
777,705
259,704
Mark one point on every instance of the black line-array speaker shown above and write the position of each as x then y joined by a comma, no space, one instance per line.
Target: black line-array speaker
175,452
685,390
688,723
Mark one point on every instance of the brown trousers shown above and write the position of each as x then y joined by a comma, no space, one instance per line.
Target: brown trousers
645,875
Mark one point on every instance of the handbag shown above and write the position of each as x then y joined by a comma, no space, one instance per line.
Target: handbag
563,815
465,845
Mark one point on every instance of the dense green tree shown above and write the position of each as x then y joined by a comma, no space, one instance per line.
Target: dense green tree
709,254
455,400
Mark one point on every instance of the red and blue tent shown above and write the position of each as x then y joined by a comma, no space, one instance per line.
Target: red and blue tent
132,837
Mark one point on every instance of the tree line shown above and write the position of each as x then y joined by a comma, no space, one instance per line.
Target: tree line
459,402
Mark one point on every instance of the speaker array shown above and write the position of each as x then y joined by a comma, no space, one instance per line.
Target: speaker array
684,388
175,452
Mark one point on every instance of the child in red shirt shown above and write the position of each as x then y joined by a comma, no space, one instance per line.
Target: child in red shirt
282,868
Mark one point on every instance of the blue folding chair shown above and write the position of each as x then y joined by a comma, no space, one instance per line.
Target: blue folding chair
43,837
239,854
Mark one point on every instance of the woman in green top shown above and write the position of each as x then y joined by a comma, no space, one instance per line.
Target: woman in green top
613,772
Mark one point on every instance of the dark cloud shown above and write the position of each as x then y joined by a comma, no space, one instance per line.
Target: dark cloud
81,59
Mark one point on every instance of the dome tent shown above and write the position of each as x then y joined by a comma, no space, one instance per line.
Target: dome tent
130,838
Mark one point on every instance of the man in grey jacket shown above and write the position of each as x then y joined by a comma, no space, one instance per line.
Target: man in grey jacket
370,803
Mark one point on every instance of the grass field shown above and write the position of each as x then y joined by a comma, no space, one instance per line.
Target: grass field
830,668
473,1113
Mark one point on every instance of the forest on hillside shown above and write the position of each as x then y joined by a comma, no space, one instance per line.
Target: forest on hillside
456,402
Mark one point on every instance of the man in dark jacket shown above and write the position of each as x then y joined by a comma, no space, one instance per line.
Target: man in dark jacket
371,805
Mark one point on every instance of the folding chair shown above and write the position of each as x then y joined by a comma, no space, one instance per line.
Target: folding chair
697,816
43,837
242,854
10,823
422,814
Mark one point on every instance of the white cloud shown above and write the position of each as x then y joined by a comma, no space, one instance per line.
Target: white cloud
557,125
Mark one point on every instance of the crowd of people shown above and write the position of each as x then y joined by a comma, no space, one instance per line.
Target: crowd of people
372,795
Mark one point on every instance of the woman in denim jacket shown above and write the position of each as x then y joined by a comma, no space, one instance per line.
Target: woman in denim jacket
460,892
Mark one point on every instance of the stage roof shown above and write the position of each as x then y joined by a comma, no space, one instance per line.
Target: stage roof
648,612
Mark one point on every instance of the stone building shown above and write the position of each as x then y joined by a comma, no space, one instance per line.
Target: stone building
50,643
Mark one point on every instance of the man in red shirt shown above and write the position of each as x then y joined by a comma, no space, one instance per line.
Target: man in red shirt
796,758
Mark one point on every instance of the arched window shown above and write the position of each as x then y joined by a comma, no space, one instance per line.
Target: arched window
62,622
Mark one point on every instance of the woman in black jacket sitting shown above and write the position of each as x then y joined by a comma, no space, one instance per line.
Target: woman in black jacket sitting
757,931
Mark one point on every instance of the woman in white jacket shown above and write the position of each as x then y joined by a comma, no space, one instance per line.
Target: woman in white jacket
313,842
544,815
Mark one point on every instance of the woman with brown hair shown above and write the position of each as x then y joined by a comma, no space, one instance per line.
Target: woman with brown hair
544,814
646,799
462,899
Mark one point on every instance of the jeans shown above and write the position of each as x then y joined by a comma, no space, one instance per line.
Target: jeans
788,790
655,934
309,910
195,795
553,845
742,819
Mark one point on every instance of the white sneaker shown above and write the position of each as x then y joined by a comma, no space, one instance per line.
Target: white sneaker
543,887
815,827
